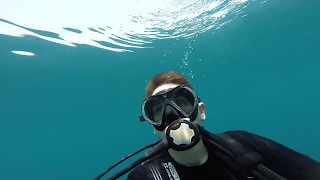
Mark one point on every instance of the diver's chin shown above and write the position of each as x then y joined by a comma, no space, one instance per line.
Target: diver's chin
195,156
185,144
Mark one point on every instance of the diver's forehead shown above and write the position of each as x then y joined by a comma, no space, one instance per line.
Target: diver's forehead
164,87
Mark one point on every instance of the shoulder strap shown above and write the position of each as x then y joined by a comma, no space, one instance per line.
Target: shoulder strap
244,161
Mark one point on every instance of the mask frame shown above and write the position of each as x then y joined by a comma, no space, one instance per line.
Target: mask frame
153,107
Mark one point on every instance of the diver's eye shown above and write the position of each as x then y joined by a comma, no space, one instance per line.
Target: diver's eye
156,108
183,102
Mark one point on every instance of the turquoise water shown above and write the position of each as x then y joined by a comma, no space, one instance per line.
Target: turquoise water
71,112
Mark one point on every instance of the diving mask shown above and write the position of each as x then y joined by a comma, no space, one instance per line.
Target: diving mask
180,100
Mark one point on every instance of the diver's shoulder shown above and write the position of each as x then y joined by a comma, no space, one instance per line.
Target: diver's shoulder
244,136
239,133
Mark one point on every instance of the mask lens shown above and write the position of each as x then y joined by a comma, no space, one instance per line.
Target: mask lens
153,110
185,99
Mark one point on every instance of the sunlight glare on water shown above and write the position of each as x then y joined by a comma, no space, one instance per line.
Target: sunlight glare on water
116,26
24,53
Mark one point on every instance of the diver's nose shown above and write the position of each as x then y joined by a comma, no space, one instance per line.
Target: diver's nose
170,114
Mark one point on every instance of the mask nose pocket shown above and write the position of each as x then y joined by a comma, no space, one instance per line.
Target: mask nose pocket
170,114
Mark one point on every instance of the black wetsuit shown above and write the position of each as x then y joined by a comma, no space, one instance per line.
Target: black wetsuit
282,160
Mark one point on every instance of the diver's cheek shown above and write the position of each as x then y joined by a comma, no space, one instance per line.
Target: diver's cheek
160,134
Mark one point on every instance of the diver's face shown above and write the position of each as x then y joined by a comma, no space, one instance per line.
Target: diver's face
164,87
201,109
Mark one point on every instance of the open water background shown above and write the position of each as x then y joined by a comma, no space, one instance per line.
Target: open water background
71,112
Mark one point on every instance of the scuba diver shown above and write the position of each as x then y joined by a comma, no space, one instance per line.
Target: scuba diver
185,150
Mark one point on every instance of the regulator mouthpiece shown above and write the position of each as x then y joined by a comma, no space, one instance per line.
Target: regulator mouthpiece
182,134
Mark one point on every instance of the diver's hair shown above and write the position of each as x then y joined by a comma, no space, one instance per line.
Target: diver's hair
169,77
